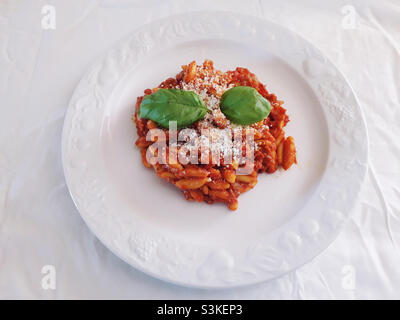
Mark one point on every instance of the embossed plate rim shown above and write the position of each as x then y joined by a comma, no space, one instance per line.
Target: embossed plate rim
269,257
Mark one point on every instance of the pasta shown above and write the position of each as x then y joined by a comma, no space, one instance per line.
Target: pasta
220,182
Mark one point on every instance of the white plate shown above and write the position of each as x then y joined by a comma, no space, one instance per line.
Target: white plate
286,220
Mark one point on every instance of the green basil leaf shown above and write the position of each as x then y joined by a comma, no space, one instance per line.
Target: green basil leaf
244,105
165,105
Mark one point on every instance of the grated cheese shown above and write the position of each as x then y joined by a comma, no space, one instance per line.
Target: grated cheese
215,132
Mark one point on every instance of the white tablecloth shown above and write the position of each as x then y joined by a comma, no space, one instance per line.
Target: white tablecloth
39,224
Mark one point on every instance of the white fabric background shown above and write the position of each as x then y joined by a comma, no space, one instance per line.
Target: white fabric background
39,224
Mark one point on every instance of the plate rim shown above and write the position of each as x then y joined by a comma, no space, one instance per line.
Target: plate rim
256,20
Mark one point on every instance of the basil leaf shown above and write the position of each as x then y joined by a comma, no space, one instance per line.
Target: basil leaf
164,105
244,105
